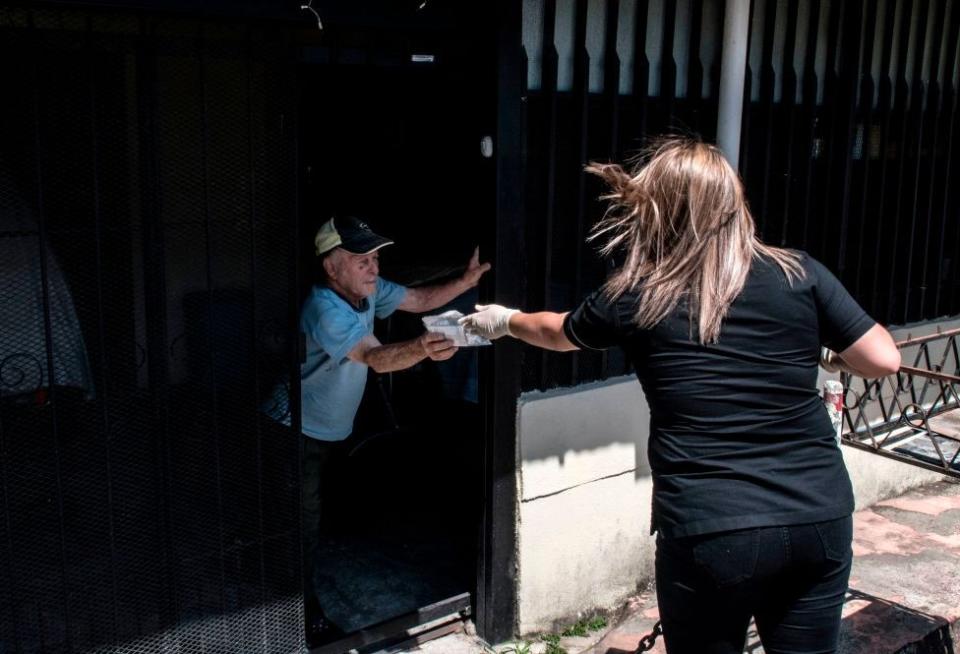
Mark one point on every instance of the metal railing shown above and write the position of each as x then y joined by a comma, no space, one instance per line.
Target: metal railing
905,416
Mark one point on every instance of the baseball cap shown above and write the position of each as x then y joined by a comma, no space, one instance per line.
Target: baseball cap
349,233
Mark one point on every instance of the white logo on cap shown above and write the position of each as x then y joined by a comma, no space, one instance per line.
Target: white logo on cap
363,226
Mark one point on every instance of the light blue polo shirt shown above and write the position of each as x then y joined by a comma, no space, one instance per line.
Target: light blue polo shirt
332,385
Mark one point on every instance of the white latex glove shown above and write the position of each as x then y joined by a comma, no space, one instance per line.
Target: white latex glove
490,321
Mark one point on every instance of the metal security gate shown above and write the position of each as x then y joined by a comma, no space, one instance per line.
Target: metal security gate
910,416
601,77
850,145
147,288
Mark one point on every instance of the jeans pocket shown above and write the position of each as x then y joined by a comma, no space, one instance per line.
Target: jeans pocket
836,536
729,558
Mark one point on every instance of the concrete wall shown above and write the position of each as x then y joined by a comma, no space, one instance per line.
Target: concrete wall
585,492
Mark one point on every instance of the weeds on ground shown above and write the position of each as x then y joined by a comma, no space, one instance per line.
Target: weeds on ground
552,641
585,626
513,648
553,644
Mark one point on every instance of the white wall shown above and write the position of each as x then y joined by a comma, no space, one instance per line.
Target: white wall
585,492
585,495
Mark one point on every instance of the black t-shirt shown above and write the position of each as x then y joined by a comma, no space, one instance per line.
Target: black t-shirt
739,436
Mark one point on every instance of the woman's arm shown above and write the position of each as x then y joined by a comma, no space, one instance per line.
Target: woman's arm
872,355
543,329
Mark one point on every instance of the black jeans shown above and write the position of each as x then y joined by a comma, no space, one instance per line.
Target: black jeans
317,458
791,580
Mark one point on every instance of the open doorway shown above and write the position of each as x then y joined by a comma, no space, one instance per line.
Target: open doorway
395,105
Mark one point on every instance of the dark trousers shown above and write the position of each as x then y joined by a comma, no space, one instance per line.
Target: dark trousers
791,580
317,456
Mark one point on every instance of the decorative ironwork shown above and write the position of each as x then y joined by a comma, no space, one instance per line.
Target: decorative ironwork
906,416
14,372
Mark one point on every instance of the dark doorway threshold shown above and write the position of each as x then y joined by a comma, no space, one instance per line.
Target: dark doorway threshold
419,626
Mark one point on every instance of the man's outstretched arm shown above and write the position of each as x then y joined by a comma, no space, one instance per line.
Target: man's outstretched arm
427,298
402,355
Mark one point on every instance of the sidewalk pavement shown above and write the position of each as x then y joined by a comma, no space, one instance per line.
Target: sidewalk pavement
904,593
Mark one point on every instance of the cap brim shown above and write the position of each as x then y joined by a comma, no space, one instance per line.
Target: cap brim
365,244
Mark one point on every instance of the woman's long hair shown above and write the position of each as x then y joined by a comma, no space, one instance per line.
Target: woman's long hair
682,222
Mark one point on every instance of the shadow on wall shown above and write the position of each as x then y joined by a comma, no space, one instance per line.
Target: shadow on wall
588,418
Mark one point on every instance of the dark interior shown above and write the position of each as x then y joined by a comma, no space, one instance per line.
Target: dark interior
391,122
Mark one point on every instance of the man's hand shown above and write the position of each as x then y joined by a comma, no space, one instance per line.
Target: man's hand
428,298
475,270
491,321
437,346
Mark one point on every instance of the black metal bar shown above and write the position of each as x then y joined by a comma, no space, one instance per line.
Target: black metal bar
714,92
258,435
767,90
849,65
549,91
833,91
746,117
789,101
918,107
611,78
104,391
496,582
936,96
13,590
695,66
611,94
155,309
954,306
949,191
208,271
290,135
641,63
884,102
867,89
581,95
42,245
900,102
668,64
810,111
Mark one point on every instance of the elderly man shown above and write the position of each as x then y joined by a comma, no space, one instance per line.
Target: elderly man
337,319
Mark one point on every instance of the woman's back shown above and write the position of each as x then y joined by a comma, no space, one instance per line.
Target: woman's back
739,437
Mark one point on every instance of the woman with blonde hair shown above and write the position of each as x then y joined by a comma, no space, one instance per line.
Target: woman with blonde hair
752,503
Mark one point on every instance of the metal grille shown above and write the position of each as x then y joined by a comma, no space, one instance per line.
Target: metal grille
910,416
850,144
601,76
849,140
147,249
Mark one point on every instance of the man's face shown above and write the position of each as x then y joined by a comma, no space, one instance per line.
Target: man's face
355,275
